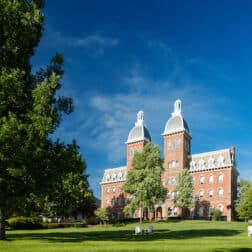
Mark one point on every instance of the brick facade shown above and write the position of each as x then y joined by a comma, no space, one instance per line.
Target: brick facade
214,173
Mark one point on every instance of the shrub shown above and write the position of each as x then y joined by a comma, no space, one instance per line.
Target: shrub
22,222
216,215
65,225
92,220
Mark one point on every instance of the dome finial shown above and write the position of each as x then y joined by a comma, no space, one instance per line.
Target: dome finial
140,118
177,108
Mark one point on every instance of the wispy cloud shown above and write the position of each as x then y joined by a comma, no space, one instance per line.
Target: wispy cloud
97,40
94,43
101,122
112,116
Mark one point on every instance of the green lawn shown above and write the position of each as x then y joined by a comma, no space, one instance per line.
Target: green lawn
168,236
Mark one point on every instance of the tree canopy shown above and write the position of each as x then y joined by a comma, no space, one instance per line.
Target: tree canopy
244,203
184,190
143,184
30,111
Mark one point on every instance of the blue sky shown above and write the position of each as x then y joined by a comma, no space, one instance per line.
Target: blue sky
125,56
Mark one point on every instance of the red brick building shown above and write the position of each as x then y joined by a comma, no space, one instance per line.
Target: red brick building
214,173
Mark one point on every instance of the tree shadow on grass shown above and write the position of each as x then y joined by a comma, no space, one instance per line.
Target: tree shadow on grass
233,250
121,235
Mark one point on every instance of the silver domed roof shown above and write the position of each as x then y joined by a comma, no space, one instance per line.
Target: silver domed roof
176,122
139,132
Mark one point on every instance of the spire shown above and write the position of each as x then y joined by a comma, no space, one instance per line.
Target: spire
177,108
140,118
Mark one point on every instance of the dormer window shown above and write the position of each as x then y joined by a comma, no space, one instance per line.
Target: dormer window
113,176
221,161
107,178
211,163
120,175
201,164
192,165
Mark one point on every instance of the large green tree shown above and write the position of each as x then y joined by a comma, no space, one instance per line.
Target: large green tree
69,192
184,191
244,202
143,184
30,109
102,215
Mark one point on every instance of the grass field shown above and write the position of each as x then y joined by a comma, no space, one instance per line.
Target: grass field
188,236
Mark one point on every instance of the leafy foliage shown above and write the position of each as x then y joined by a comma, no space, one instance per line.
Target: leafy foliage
32,165
143,184
22,222
184,190
216,215
102,215
244,203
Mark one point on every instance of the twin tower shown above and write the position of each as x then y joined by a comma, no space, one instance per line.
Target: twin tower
176,139
214,173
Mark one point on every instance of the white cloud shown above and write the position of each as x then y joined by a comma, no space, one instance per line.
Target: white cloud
96,39
93,43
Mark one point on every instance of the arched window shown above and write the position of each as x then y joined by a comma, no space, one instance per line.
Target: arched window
220,207
169,144
201,211
202,180
210,210
173,164
201,193
210,193
220,178
220,192
173,181
173,195
108,191
168,195
211,179
114,190
107,202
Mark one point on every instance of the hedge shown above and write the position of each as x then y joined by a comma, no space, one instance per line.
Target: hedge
22,222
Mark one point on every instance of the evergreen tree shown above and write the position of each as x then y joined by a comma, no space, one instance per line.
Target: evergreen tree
184,191
143,184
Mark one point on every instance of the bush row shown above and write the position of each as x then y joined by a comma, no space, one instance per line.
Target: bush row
64,225
22,222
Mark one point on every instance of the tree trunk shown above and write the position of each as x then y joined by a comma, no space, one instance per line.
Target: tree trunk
141,214
2,227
